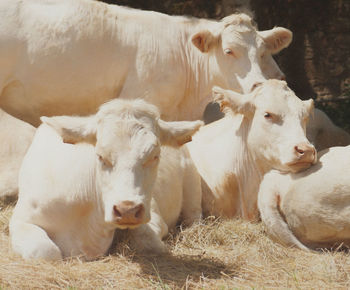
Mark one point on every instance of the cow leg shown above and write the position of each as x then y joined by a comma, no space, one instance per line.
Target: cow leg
32,242
192,196
148,237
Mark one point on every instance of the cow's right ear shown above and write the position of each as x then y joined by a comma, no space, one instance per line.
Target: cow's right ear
203,40
177,133
73,129
231,101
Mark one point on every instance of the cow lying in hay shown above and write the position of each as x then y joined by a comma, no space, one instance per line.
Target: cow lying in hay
310,209
73,196
260,131
63,57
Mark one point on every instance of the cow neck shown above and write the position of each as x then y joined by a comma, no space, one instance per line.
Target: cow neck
248,172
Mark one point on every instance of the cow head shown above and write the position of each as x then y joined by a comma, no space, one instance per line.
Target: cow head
241,55
274,125
127,136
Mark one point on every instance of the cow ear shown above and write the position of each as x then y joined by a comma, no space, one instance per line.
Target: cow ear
277,38
203,40
177,133
231,101
73,129
309,104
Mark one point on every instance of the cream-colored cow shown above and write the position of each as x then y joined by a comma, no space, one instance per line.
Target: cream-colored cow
310,209
73,196
260,131
15,136
64,57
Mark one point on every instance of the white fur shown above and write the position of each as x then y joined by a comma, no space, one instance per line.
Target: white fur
15,136
64,57
67,192
310,209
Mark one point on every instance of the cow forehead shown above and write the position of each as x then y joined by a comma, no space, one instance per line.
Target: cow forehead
235,36
122,136
277,98
127,131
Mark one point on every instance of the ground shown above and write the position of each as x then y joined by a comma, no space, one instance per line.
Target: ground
214,254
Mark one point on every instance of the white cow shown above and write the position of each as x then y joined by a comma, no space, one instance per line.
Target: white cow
310,209
15,136
260,131
323,133
73,196
64,57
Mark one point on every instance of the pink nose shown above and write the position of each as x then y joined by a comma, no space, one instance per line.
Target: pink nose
305,152
129,213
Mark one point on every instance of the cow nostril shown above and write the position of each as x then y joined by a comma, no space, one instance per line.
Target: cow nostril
117,213
139,211
300,151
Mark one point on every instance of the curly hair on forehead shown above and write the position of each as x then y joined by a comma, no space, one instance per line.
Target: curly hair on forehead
239,19
128,109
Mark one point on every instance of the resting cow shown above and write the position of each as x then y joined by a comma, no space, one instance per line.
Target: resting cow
260,131
310,209
73,196
64,57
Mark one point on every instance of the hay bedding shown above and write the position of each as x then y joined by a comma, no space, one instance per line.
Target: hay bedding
213,254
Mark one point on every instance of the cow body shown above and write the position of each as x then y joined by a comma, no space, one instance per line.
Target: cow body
73,196
15,136
310,209
260,131
68,57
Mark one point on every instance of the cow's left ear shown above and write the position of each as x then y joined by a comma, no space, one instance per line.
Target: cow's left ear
203,40
231,101
177,133
73,129
309,104
277,38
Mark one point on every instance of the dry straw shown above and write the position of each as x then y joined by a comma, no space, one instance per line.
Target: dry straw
213,254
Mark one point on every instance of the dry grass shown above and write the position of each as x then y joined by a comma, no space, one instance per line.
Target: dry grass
214,254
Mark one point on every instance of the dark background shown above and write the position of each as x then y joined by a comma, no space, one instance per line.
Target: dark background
316,64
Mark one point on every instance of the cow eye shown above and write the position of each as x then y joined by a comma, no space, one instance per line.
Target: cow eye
268,115
228,51
104,162
152,161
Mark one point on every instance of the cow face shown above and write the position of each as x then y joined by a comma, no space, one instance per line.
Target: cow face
274,125
241,55
127,136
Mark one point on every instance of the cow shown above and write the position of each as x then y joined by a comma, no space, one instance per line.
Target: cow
15,136
63,57
262,130
83,177
310,209
323,133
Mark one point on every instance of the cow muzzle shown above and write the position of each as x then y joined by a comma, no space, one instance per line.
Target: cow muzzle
305,155
128,214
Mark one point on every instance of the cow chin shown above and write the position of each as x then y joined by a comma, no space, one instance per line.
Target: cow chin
127,226
298,166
